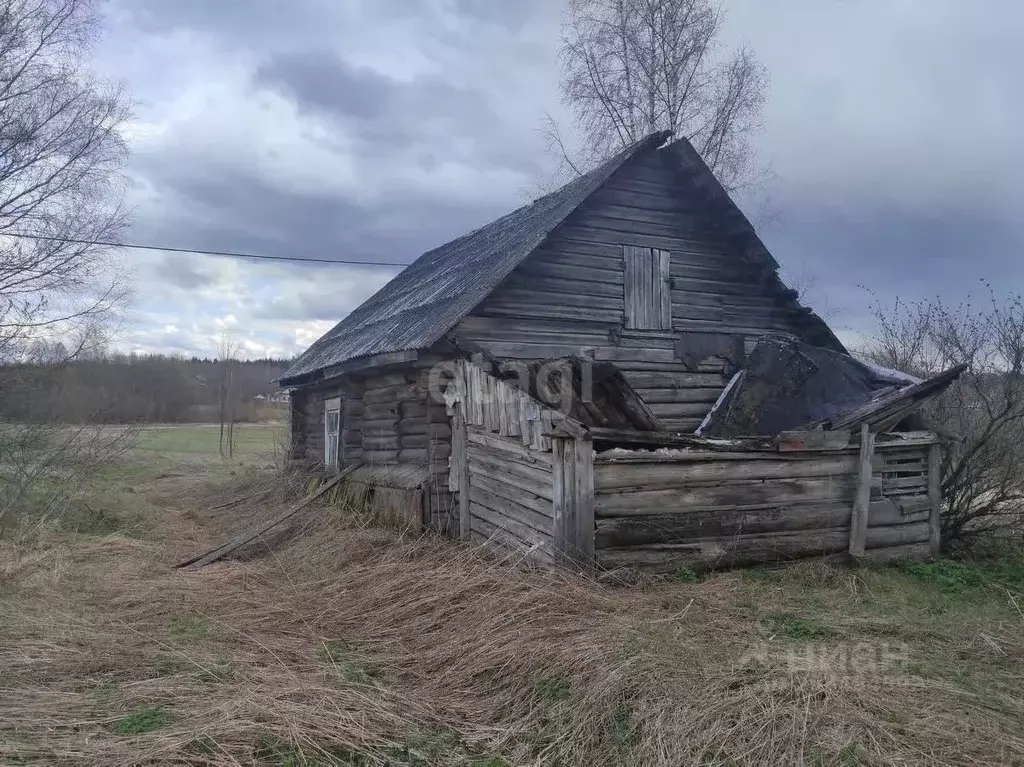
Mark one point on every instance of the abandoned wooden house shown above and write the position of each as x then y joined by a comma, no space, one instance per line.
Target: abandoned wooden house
646,289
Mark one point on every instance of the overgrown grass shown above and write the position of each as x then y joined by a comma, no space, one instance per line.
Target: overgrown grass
350,645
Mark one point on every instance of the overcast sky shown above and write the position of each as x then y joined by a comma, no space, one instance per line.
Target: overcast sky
376,130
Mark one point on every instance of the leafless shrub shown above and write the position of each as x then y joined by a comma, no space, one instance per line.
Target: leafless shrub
630,67
984,411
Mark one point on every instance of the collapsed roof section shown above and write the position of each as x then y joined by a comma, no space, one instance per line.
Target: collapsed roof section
787,384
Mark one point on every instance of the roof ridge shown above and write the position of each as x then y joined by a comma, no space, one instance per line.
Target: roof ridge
440,287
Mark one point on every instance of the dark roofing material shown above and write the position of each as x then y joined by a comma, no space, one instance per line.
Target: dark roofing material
438,289
787,384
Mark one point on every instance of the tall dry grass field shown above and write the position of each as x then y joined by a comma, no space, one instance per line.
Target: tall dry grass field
339,643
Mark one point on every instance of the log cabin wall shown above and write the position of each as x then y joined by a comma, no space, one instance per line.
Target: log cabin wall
568,296
388,418
662,510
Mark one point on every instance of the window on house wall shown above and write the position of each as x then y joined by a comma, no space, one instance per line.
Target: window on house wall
332,431
647,289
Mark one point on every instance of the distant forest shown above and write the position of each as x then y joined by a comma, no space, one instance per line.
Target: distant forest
149,388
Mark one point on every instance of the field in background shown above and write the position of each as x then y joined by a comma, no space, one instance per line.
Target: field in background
347,644
253,442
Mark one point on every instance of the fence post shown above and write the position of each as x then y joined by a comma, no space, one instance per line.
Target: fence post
935,496
859,518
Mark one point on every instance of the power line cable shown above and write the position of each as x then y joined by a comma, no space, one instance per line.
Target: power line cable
225,253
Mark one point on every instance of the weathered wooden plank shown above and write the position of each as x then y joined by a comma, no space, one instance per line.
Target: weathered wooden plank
563,480
507,544
663,292
653,476
531,500
838,490
516,513
720,523
515,448
753,549
909,552
703,396
681,409
859,518
585,499
530,479
525,534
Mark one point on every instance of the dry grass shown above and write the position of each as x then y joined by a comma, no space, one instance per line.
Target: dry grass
347,644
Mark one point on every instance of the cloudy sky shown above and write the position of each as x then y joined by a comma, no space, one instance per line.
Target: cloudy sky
375,130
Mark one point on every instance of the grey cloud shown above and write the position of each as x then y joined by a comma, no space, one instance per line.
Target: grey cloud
182,271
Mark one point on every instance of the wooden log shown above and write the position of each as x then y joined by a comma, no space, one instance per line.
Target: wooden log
404,392
908,552
935,498
670,396
721,523
380,443
755,549
859,518
382,412
675,474
756,493
380,426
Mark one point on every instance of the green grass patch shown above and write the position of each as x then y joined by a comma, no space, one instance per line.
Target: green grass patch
800,629
552,689
686,575
251,441
947,576
146,720
190,626
346,660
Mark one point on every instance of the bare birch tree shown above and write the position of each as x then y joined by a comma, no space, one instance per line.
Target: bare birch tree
631,67
61,153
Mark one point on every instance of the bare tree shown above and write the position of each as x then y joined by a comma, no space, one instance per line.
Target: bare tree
61,152
227,399
630,67
60,155
983,412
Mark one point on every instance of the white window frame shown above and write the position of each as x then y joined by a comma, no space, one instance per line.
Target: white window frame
332,452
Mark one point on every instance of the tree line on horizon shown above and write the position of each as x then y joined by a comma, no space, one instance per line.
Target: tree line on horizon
108,388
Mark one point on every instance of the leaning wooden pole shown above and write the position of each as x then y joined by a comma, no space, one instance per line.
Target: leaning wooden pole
222,551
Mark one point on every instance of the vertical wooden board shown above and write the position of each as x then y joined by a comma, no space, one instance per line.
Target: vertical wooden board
664,259
503,408
630,287
478,395
861,504
584,476
514,426
563,491
460,464
545,428
525,425
935,497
